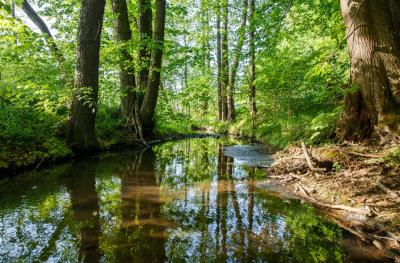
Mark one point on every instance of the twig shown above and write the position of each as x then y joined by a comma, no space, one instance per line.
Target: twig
38,165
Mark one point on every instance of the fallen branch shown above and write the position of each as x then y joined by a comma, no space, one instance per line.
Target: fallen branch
308,158
384,188
362,211
366,155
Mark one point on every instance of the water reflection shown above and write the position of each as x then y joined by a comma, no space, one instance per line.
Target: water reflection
81,185
184,201
142,225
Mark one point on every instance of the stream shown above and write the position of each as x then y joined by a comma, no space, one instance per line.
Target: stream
192,200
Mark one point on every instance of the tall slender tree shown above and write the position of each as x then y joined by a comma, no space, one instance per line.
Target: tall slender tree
145,20
81,135
373,40
235,63
219,61
127,73
150,99
224,60
252,65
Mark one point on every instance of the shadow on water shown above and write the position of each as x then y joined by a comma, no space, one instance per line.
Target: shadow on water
192,200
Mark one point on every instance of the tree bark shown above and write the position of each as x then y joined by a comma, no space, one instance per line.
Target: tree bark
235,63
252,65
126,74
41,25
150,99
374,47
145,20
81,135
219,61
225,61
12,9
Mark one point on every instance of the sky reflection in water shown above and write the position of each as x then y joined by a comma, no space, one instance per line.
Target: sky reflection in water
181,201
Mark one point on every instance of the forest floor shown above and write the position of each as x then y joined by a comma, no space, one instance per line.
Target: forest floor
357,185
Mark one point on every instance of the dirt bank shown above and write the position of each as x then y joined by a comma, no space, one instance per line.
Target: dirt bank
357,185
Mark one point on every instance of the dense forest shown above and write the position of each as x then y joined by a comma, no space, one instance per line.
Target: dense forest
298,96
79,76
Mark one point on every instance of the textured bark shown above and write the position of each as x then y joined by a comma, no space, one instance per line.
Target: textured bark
150,99
252,65
374,48
145,34
41,25
225,61
219,60
81,134
145,20
235,63
126,74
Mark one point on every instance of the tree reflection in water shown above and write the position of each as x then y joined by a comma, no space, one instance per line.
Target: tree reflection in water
184,202
140,210
81,185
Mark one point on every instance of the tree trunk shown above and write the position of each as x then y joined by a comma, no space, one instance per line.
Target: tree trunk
374,47
81,135
252,65
126,74
219,61
12,9
145,20
225,61
150,99
235,63
145,35
41,25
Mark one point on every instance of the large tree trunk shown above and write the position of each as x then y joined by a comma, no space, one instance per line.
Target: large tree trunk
219,61
374,47
41,25
81,134
252,65
225,61
127,72
150,99
235,63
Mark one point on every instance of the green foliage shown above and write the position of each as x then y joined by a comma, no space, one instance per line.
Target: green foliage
393,157
323,127
301,67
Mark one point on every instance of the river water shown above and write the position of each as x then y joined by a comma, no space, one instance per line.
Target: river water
193,200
